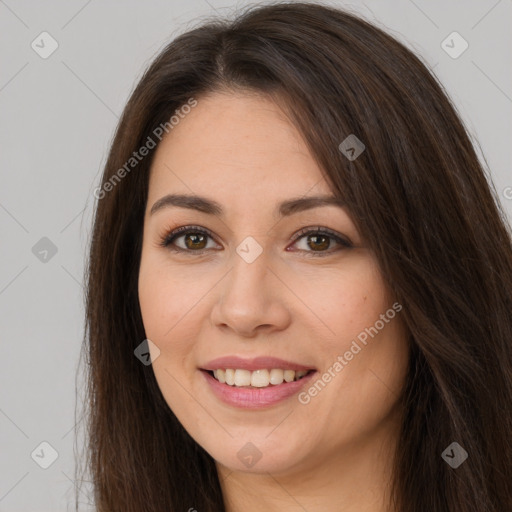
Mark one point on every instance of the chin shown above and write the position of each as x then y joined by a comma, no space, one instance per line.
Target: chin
258,456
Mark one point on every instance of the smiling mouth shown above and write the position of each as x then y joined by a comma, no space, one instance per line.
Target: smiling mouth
263,378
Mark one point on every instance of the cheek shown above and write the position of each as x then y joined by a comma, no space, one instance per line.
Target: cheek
168,317
169,299
361,327
345,301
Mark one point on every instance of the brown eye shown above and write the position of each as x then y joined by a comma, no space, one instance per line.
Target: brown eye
318,241
187,239
195,240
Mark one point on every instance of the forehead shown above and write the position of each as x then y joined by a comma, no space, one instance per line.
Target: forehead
238,147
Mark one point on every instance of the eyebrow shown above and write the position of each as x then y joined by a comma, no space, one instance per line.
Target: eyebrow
211,207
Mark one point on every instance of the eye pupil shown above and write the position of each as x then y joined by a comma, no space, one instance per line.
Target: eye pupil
194,238
315,238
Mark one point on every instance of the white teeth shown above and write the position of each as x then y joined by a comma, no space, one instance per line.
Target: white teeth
289,375
242,378
276,376
220,375
258,378
230,377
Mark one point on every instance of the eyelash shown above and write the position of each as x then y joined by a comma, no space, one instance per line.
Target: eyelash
167,239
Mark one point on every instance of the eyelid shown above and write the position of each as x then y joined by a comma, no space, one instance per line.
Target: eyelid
170,235
343,239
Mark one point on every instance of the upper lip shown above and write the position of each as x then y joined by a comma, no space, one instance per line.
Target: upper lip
257,363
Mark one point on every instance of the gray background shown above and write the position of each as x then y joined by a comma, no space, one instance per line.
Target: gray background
58,116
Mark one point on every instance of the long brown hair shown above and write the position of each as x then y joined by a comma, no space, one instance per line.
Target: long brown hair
417,193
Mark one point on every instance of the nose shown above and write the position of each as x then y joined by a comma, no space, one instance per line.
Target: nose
251,300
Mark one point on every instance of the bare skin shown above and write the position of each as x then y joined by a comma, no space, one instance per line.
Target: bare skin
328,450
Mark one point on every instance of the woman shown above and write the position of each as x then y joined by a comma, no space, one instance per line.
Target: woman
299,285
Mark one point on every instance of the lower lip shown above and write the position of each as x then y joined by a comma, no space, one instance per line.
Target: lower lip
255,398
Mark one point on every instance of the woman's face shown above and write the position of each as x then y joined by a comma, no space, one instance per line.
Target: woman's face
246,282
